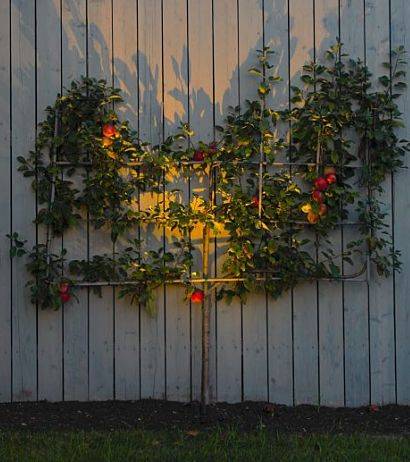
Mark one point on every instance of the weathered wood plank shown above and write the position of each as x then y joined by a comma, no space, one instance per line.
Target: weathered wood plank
400,33
381,291
330,302
176,82
125,39
229,317
151,129
74,36
23,201
201,101
50,336
355,294
255,381
101,328
305,320
280,338
5,204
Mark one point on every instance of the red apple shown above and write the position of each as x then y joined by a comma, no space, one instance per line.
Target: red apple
109,130
255,201
331,178
322,209
197,296
199,156
213,148
321,184
317,196
65,297
312,218
64,287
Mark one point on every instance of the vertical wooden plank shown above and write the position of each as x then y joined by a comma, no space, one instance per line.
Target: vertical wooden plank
176,83
5,204
74,30
381,295
330,302
50,374
201,101
255,381
101,366
229,316
305,294
152,341
280,339
24,207
400,27
125,43
357,389
125,40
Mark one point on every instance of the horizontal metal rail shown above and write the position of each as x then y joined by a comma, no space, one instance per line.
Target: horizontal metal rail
162,221
350,278
355,277
199,162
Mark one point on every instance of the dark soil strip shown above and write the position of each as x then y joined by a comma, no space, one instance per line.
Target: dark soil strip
161,415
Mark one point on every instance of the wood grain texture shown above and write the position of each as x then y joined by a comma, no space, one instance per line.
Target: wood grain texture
176,84
255,381
5,204
228,316
400,33
357,381
125,43
279,319
50,323
330,301
150,68
201,104
305,315
101,309
74,65
381,290
24,316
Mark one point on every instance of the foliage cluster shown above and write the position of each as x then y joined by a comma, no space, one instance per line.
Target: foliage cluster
277,184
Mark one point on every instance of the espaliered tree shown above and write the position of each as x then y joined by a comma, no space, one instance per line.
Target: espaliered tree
339,144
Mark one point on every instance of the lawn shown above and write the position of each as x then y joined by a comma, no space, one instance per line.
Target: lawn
216,445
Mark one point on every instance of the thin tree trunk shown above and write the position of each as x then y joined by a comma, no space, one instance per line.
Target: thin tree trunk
206,315
206,306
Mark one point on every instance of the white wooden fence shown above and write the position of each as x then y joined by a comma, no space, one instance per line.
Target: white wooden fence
328,343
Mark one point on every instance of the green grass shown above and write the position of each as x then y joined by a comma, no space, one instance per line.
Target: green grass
214,446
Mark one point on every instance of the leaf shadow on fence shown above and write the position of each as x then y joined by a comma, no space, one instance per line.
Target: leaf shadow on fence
141,80
147,92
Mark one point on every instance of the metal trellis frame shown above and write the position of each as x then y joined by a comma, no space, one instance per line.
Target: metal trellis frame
260,164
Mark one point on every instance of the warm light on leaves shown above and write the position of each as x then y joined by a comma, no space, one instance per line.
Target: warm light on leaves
261,209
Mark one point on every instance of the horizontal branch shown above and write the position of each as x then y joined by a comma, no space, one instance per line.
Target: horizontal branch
352,278
217,163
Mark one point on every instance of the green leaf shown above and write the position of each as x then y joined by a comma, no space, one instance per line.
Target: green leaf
255,71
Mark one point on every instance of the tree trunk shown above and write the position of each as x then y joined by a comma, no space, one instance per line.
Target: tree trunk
206,315
207,303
